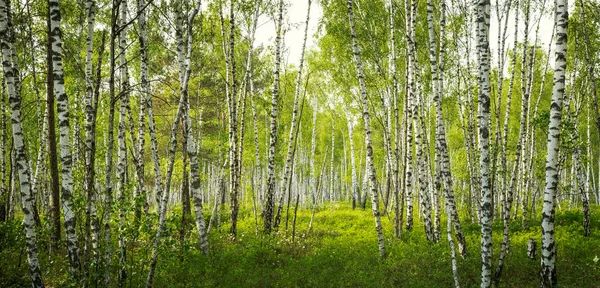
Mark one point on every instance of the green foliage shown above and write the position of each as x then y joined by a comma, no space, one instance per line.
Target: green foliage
339,251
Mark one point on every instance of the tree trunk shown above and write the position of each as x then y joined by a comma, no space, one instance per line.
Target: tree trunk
516,173
441,144
122,163
109,147
183,114
355,189
147,97
27,199
287,170
268,212
548,275
370,165
483,22
54,182
89,129
313,171
65,143
410,95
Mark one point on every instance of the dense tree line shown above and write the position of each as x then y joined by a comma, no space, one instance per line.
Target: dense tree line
404,105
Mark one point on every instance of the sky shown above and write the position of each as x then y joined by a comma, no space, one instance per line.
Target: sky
296,14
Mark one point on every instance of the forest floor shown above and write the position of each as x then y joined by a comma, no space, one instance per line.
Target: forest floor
339,251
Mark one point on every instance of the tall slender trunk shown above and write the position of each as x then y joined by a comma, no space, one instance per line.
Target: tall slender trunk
424,197
409,116
355,187
441,144
504,144
502,29
89,130
147,97
184,57
249,89
54,182
313,146
27,199
287,170
532,141
185,195
4,192
518,154
182,114
268,212
548,275
258,167
395,168
65,143
483,22
528,161
522,140
91,107
369,146
586,194
191,144
41,125
122,163
108,198
331,160
232,106
145,89
246,87
588,176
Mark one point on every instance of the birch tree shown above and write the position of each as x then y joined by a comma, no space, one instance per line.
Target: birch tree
508,194
367,124
184,59
410,113
89,130
27,197
548,275
65,142
437,63
270,201
287,170
483,23
122,163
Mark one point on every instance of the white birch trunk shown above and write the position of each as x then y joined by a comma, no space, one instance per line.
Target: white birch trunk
287,170
65,142
270,203
483,22
548,275
370,165
27,199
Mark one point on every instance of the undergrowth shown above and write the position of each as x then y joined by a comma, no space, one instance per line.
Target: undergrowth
339,251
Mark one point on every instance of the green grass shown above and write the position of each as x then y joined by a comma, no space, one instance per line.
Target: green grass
340,251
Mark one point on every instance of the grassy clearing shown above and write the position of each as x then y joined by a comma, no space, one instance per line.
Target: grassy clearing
340,251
